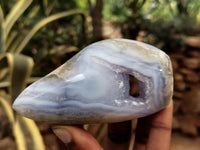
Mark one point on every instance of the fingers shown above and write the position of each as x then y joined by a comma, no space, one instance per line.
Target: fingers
118,136
76,138
160,133
142,133
154,132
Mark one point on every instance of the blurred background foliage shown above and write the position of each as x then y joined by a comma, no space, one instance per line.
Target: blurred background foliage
163,20
38,36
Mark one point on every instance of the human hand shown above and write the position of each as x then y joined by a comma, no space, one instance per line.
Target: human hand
153,133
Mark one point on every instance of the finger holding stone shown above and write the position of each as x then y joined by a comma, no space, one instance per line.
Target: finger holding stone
76,138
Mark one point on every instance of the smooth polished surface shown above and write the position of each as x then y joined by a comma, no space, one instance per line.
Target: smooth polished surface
93,86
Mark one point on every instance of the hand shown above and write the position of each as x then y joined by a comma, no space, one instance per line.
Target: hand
153,133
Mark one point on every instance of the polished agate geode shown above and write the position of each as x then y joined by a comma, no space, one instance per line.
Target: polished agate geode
93,86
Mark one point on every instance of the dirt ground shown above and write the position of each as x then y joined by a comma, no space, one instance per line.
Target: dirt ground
184,142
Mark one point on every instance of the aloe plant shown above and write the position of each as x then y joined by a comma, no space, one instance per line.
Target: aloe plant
16,68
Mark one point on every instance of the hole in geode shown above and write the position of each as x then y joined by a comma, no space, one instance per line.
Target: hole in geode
133,82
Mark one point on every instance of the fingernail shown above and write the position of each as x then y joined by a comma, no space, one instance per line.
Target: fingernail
63,135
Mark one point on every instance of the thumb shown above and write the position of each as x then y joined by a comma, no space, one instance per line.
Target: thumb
76,138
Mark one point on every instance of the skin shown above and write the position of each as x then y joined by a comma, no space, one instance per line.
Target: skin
152,133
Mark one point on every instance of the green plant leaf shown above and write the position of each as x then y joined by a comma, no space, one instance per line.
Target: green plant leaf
15,43
7,108
3,61
30,130
3,69
15,37
62,50
45,21
33,12
17,132
19,137
15,13
20,69
2,48
48,8
23,128
44,5
9,40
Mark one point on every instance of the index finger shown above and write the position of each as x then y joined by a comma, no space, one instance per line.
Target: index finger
154,132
